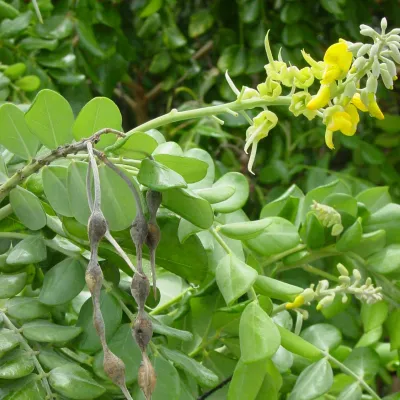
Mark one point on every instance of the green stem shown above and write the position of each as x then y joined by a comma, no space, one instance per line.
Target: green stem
279,256
176,116
115,160
13,235
221,241
316,271
26,347
348,371
315,255
5,211
204,345
82,359
109,287
168,304
280,308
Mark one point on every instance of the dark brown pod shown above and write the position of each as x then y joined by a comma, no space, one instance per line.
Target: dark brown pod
97,226
138,230
140,289
142,331
114,367
153,235
153,199
147,377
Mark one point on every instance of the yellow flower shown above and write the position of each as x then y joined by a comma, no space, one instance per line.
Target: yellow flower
373,107
337,61
298,302
317,67
356,100
344,121
262,124
321,99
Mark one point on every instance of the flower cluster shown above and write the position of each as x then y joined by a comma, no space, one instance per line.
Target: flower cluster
328,217
325,295
348,80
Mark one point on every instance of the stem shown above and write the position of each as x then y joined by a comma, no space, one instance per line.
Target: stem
203,345
277,310
279,256
25,346
213,390
116,160
351,373
109,287
176,116
77,357
170,303
5,211
219,239
252,295
13,235
316,271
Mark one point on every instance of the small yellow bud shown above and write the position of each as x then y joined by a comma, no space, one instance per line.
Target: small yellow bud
321,99
356,100
373,107
298,302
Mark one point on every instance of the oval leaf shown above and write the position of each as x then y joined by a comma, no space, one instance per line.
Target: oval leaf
28,251
324,336
245,230
46,331
11,285
138,146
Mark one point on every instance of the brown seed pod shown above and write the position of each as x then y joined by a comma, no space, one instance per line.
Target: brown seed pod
94,276
114,367
153,199
139,230
153,235
147,377
142,331
140,288
97,226
98,323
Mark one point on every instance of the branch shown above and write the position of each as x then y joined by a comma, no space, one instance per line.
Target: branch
216,388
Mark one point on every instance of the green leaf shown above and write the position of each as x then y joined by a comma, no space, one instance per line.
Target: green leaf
351,237
375,198
28,83
63,282
88,40
373,315
123,345
16,364
55,188
11,285
351,392
190,206
343,203
276,289
28,208
203,375
28,251
370,338
393,327
152,7
216,194
160,62
50,118
312,232
56,27
77,195
11,28
385,261
112,314
234,277
26,388
98,114
291,12
8,340
314,381
25,308
191,169
158,177
7,10
283,359
162,329
371,243
208,180
74,382
280,235
244,230
259,336
34,43
388,219
239,198
324,336
173,37
363,361
200,22
117,201
233,59
45,331
248,379
138,146
14,71
15,134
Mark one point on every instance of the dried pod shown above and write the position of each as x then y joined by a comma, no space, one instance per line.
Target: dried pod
153,235
140,288
147,378
114,367
94,276
97,226
142,331
153,199
139,230
98,323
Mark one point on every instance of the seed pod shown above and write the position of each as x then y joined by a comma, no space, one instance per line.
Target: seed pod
139,230
97,226
93,276
98,323
114,367
153,199
142,331
140,288
147,378
152,240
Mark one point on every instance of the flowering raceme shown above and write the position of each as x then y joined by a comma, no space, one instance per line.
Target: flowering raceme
337,61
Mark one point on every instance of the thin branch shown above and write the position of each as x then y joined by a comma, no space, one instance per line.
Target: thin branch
216,388
121,252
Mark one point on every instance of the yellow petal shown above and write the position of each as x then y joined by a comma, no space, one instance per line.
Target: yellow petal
374,110
329,139
340,121
321,99
331,73
356,100
298,302
338,54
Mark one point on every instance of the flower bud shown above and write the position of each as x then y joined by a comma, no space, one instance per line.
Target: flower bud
363,49
326,301
142,331
372,84
350,90
383,24
342,270
114,367
375,67
394,31
365,30
140,288
394,52
356,275
359,63
97,227
390,66
386,76
355,47
393,38
147,378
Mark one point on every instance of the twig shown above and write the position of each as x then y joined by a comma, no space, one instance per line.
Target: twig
213,390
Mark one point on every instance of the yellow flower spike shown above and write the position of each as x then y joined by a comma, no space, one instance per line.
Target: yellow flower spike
298,302
321,99
356,100
373,107
338,61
